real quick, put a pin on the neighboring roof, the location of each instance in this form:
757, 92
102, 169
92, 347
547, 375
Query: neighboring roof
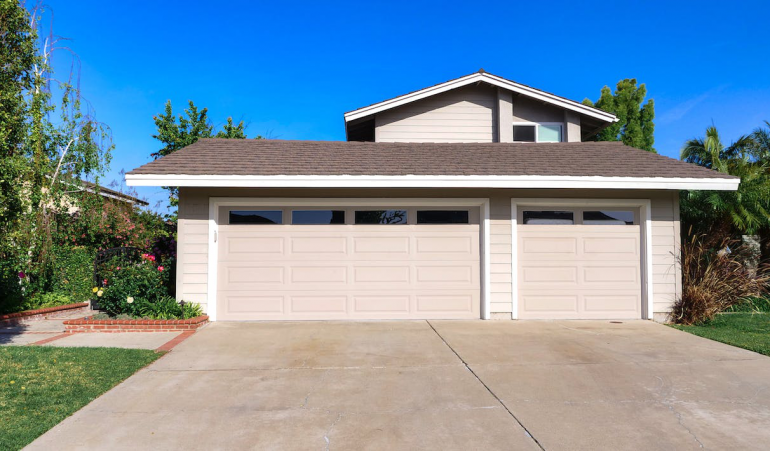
481, 76
112, 194
277, 163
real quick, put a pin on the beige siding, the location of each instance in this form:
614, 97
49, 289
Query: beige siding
666, 274
192, 252
572, 130
500, 250
504, 116
528, 110
461, 115
193, 229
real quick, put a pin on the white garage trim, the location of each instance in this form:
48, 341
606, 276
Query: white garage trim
216, 202
645, 212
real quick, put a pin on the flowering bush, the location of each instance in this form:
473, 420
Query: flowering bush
127, 286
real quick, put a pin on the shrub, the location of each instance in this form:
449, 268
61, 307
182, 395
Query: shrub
714, 280
168, 308
74, 273
130, 285
43, 300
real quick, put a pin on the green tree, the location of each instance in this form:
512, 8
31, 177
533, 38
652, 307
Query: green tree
761, 142
230, 131
17, 59
746, 211
635, 126
191, 126
50, 142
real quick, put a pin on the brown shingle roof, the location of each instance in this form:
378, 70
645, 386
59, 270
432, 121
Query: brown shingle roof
277, 157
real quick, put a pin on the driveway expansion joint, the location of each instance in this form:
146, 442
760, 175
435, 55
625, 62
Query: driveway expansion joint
500, 401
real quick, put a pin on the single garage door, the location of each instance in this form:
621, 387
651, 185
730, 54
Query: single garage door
579, 263
299, 263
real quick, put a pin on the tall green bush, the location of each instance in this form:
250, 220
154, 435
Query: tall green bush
74, 272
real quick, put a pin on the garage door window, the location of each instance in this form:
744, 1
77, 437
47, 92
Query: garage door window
256, 217
381, 217
608, 217
317, 217
442, 216
548, 217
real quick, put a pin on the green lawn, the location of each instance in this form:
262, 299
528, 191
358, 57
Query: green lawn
41, 386
746, 330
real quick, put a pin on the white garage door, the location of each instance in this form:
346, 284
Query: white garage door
579, 263
348, 263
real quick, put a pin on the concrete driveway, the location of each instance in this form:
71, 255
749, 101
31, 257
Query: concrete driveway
434, 385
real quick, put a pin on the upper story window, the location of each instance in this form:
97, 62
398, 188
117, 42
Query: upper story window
537, 133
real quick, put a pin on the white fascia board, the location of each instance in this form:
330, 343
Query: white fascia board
473, 78
432, 181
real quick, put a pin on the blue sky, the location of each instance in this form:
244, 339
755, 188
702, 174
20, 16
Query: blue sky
290, 69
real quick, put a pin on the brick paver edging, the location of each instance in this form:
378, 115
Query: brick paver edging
41, 312
133, 325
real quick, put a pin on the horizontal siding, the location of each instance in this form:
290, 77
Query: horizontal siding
459, 115
500, 250
528, 110
665, 244
192, 255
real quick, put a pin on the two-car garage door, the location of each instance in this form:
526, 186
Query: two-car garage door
348, 263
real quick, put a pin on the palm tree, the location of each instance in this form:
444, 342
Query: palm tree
761, 138
745, 211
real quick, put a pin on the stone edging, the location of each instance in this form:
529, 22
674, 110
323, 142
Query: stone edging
42, 313
133, 325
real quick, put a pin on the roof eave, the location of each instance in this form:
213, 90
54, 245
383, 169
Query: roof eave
433, 181
473, 78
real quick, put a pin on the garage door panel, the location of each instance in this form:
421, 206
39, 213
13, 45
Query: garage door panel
376, 244
248, 302
312, 275
381, 274
549, 274
318, 244
614, 302
536, 302
446, 303
603, 274
548, 245
454, 274
382, 304
606, 247
329, 304
250, 274
237, 244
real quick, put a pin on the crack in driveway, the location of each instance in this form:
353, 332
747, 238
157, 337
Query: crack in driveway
526, 431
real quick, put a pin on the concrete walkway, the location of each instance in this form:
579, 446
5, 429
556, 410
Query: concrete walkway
434, 385
50, 332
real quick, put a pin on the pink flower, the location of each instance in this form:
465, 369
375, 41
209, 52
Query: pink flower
22, 275
160, 268
105, 282
118, 267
